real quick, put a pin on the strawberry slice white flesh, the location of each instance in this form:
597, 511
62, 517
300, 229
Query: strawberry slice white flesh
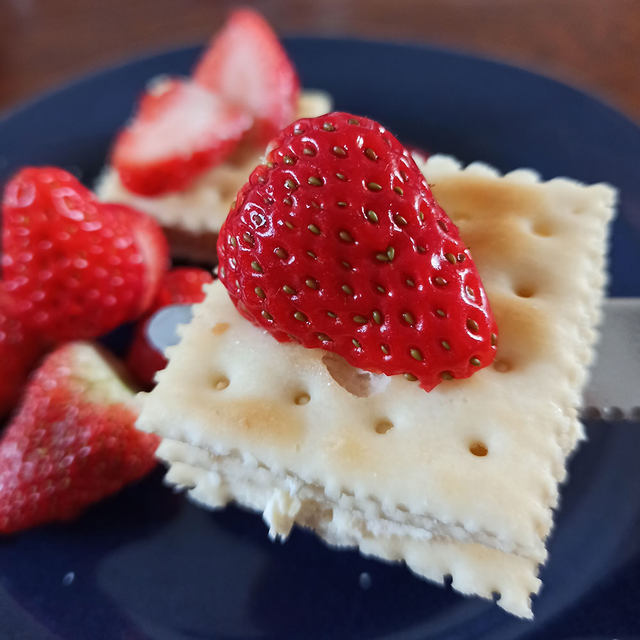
247, 65
180, 130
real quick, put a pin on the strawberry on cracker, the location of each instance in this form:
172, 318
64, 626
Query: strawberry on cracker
247, 65
338, 243
243, 84
180, 130
71, 442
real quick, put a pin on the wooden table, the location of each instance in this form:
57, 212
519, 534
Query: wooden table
594, 44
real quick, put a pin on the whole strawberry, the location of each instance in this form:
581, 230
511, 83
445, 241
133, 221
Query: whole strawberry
77, 268
72, 441
19, 350
337, 242
183, 285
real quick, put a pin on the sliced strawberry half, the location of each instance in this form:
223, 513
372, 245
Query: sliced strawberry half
72, 441
152, 245
247, 65
180, 130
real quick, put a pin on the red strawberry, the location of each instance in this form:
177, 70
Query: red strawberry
183, 285
247, 65
180, 286
72, 441
19, 349
78, 268
337, 242
179, 131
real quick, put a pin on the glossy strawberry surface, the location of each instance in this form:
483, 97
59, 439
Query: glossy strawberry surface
338, 243
77, 268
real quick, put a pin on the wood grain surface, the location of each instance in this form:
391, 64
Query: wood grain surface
593, 44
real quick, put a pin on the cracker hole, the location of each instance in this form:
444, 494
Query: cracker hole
220, 383
384, 425
542, 229
502, 366
302, 398
525, 291
478, 449
219, 328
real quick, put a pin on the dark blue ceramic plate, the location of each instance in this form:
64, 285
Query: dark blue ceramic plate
147, 564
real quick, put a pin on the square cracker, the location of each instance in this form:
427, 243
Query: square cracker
461, 480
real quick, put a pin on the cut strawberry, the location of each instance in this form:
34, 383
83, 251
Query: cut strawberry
76, 268
180, 130
72, 441
337, 242
183, 285
247, 65
152, 245
19, 350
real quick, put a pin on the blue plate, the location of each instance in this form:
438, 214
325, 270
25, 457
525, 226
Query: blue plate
147, 564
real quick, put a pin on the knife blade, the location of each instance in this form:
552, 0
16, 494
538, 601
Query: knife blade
613, 390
